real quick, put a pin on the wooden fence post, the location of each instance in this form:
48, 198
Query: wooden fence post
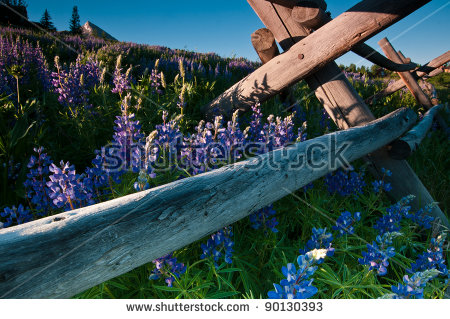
430, 69
266, 47
409, 80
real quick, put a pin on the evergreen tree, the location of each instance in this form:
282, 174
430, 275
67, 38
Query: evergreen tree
75, 26
46, 21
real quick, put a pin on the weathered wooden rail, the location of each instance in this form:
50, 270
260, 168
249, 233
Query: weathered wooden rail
61, 255
403, 147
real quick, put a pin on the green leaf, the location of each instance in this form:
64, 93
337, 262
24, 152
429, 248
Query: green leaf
170, 289
20, 130
225, 270
221, 295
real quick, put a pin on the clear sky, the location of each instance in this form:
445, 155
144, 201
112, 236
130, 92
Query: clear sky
225, 27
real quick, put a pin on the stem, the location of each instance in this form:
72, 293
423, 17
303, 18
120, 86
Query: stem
18, 96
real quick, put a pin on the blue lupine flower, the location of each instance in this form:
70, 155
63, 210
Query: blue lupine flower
121, 80
128, 146
382, 184
422, 216
35, 185
220, 244
390, 222
167, 267
298, 284
15, 216
432, 258
66, 188
320, 239
345, 183
344, 224
378, 253
142, 182
72, 85
22, 53
413, 287
262, 218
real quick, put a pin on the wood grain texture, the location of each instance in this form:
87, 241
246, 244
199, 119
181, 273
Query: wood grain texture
345, 106
315, 21
407, 77
304, 58
430, 69
309, 15
403, 147
292, 3
264, 44
62, 255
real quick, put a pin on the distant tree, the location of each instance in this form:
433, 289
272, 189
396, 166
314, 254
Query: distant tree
46, 21
362, 69
376, 70
352, 67
75, 26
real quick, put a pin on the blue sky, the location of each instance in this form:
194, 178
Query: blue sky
224, 27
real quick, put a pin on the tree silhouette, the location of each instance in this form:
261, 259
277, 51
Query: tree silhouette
46, 21
75, 26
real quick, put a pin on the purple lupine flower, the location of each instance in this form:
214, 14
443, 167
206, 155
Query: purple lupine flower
345, 182
413, 287
345, 222
422, 217
320, 239
325, 120
73, 85
220, 244
263, 218
298, 284
66, 187
432, 258
129, 145
390, 222
380, 185
31, 59
162, 147
15, 216
35, 185
167, 267
121, 81
379, 252
142, 182
155, 82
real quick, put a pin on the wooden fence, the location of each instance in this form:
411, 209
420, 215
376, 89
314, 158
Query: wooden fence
61, 255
